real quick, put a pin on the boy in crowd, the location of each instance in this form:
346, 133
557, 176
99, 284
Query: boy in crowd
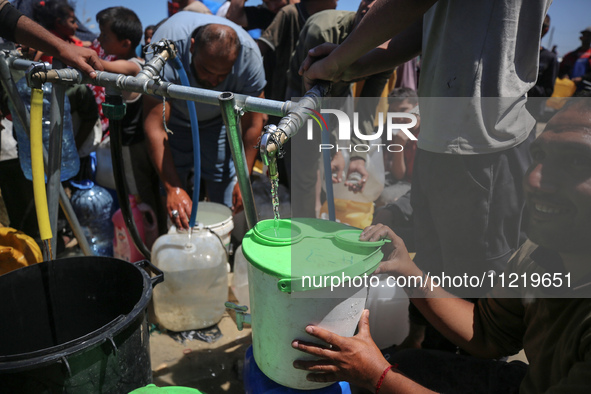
121, 32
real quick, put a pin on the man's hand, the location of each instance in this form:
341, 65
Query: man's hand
236, 12
178, 206
84, 59
318, 65
237, 200
398, 261
356, 359
31, 34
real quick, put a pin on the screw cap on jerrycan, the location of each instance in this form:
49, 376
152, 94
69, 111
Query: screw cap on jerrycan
293, 273
93, 206
145, 221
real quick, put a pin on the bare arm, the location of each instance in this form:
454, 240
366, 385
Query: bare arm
33, 35
392, 16
125, 67
121, 67
454, 317
400, 49
161, 155
236, 12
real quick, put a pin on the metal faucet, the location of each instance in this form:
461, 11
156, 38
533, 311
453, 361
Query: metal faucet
268, 154
275, 136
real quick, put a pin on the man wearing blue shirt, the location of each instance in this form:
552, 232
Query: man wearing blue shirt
219, 55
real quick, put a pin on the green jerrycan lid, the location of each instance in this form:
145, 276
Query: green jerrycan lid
282, 233
302, 253
153, 389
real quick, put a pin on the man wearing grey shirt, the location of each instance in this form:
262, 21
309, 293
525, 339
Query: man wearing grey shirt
479, 60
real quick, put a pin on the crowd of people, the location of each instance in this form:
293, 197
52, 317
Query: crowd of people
472, 191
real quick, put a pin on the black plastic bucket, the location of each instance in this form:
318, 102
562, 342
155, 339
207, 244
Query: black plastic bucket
76, 325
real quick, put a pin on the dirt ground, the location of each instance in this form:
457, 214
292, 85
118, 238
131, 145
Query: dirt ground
209, 367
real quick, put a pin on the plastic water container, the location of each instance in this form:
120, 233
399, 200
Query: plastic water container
145, 221
196, 286
374, 185
239, 283
70, 159
354, 213
93, 206
255, 382
216, 217
357, 209
388, 317
283, 302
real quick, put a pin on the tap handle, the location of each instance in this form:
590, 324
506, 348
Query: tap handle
241, 315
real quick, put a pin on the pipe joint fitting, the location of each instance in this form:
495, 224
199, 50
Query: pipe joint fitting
37, 75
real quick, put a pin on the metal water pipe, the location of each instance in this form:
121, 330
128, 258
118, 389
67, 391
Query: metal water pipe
54, 165
231, 115
275, 136
165, 89
294, 115
23, 114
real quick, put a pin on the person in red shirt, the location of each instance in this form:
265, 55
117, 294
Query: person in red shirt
58, 17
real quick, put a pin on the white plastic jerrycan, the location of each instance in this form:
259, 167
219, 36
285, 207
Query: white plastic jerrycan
195, 285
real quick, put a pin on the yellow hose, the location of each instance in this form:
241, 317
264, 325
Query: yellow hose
37, 164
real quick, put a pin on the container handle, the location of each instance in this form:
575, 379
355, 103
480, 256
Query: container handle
219, 239
65, 362
146, 265
284, 285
